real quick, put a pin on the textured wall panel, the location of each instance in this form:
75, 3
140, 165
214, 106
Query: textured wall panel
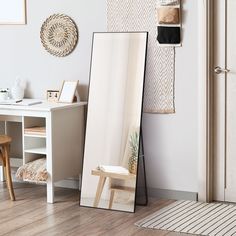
140, 15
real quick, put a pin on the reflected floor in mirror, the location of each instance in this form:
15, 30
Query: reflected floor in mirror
125, 206
113, 122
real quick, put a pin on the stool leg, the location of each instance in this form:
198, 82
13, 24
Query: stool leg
8, 172
100, 187
112, 194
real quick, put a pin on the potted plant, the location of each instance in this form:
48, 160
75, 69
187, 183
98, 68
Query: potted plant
134, 145
3, 94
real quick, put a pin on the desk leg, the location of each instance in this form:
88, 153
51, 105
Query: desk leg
50, 192
50, 159
100, 187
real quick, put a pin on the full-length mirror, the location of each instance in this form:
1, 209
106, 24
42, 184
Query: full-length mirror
113, 122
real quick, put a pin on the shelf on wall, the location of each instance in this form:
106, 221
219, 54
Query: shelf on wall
39, 150
37, 131
35, 135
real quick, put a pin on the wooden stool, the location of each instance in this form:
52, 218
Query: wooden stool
4, 155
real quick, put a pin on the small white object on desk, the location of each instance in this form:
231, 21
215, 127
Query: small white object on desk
18, 90
3, 94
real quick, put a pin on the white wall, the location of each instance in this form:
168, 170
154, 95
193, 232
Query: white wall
21, 52
171, 141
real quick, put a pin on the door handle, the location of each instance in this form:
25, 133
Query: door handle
219, 70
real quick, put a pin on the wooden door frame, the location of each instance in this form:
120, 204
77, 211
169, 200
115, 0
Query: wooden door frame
206, 66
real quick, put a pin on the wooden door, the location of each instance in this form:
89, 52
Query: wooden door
225, 101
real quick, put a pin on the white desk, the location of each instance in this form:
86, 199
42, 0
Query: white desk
62, 145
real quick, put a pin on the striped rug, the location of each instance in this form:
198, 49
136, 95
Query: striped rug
194, 218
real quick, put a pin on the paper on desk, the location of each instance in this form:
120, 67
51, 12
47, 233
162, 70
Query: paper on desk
9, 101
29, 102
24, 102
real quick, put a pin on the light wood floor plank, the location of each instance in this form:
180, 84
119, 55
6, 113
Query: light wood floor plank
30, 215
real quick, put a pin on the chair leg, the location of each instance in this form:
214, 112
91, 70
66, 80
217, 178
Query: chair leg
8, 172
112, 194
2, 159
5, 175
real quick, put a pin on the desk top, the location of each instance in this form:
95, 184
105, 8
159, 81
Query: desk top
44, 106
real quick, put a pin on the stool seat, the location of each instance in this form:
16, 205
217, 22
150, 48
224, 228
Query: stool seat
5, 142
4, 139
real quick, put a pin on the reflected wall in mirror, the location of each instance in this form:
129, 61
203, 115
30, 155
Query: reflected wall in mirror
113, 120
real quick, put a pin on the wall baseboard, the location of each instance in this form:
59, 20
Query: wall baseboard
172, 194
69, 183
152, 192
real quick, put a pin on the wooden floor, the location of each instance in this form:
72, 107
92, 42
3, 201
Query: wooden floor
31, 215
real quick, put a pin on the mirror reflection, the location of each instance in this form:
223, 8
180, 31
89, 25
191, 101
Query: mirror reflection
113, 120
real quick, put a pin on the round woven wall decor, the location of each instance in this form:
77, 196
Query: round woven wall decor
59, 35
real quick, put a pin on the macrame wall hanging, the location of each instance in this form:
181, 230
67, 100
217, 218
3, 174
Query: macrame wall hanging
140, 15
